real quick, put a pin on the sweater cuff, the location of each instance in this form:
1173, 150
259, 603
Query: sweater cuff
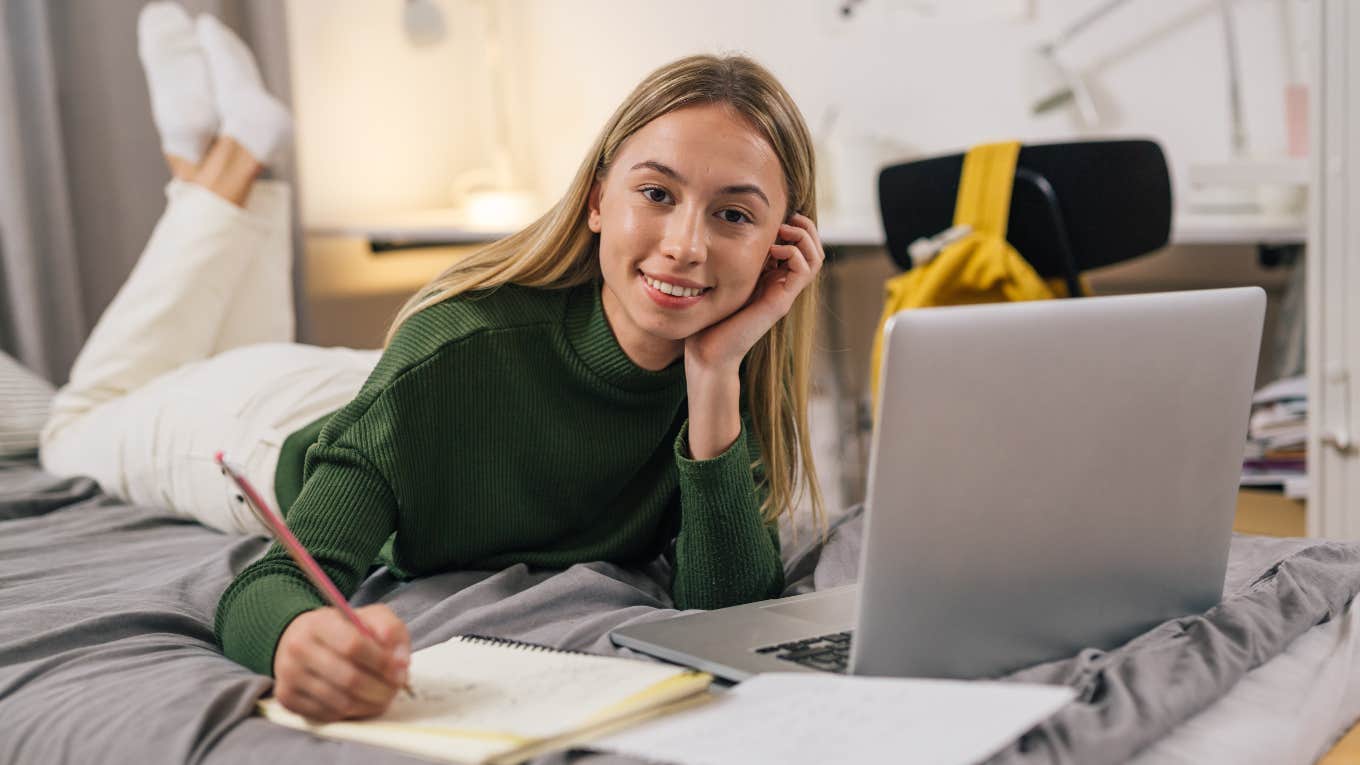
725, 554
260, 612
730, 469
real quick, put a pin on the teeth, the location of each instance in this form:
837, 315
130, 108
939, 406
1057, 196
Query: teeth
671, 289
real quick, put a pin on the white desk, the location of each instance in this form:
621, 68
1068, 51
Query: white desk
1224, 228
1186, 229
445, 227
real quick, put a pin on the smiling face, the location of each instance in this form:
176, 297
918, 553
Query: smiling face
686, 215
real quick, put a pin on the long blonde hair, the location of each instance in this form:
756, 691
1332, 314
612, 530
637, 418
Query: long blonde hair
559, 250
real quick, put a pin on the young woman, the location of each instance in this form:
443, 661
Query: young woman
628, 371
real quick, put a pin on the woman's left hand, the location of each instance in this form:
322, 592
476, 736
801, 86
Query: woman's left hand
788, 271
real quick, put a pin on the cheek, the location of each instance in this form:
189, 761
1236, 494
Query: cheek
751, 266
743, 275
624, 222
625, 237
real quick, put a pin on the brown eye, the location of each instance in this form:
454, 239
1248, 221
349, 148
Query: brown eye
646, 192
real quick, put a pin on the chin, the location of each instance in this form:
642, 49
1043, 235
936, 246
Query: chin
671, 331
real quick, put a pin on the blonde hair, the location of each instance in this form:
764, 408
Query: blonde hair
559, 250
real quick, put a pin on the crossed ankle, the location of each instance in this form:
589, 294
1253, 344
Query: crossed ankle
250, 115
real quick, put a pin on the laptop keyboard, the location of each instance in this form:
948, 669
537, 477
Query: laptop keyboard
829, 653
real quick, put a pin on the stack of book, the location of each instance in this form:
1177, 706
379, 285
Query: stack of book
1277, 437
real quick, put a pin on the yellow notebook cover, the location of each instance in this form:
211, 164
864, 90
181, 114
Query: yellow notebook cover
489, 700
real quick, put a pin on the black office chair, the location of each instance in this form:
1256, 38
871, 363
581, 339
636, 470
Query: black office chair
1074, 207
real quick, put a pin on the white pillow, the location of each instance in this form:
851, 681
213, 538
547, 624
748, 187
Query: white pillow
25, 400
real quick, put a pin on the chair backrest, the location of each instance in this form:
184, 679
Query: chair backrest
1113, 203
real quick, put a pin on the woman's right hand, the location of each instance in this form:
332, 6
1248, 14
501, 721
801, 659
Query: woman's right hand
325, 669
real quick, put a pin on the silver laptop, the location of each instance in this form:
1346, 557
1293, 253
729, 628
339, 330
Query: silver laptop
1044, 477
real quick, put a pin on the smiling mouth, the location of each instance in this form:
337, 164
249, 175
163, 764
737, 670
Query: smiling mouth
673, 290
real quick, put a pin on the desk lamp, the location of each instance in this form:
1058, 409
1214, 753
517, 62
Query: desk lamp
485, 196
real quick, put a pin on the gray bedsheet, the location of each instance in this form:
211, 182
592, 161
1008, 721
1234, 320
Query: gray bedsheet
106, 651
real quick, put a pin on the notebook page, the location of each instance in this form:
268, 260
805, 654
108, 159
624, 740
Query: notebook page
787, 719
470, 686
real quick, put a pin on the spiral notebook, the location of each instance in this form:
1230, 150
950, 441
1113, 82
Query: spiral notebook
489, 700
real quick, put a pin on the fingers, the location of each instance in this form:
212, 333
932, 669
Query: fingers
299, 701
352, 678
327, 669
313, 684
328, 699
816, 253
391, 633
345, 641
389, 628
805, 255
781, 256
791, 267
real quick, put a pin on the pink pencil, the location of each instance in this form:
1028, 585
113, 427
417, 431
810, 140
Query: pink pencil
295, 549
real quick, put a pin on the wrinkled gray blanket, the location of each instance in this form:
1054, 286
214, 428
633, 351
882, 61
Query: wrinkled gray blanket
106, 650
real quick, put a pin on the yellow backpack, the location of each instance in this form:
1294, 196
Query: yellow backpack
980, 267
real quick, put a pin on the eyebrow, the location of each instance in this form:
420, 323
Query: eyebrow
745, 188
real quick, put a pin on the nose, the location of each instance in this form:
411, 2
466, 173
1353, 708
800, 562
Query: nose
686, 239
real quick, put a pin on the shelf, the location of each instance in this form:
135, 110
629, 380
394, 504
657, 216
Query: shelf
1238, 228
1251, 172
415, 227
1294, 485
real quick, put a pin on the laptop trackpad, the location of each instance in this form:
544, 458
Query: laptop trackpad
836, 609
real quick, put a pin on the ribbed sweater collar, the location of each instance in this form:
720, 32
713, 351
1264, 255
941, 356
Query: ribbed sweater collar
594, 342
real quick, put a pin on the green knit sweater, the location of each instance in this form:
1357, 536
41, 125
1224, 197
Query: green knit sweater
500, 427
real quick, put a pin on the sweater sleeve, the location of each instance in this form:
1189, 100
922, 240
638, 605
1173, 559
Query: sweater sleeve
345, 512
725, 554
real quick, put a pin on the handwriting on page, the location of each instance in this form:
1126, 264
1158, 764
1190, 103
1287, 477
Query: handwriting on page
442, 693
471, 686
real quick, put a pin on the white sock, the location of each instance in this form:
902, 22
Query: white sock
255, 119
177, 75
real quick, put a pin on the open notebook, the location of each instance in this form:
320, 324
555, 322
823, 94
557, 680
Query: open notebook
489, 700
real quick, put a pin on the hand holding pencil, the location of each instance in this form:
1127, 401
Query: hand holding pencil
331, 663
326, 670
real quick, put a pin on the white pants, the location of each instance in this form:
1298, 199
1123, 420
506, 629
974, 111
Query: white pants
194, 355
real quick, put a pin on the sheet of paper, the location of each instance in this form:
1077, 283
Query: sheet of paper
787, 719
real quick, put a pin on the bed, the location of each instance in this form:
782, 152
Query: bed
107, 655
